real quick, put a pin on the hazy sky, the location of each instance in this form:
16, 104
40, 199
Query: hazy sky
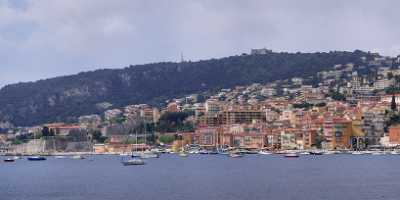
46, 38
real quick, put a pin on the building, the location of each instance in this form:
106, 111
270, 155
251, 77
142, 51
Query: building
262, 51
394, 134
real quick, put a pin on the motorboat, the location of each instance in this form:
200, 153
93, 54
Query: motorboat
9, 160
133, 161
183, 154
78, 157
264, 153
59, 157
357, 153
148, 154
292, 155
235, 155
377, 153
317, 153
37, 158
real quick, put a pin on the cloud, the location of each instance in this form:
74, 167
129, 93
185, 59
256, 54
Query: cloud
40, 39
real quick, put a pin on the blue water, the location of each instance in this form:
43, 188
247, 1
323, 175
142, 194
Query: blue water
204, 177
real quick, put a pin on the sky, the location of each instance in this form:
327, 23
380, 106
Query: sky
46, 38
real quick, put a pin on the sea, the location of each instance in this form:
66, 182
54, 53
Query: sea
204, 177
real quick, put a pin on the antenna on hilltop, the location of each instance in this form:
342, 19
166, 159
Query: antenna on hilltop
182, 60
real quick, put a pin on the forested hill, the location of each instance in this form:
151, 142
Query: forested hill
66, 98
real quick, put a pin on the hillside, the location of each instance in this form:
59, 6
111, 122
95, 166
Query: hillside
66, 98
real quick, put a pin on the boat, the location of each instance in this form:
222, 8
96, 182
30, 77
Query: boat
133, 161
124, 154
317, 153
59, 157
194, 151
264, 153
135, 158
148, 154
9, 160
357, 153
183, 154
377, 153
203, 151
305, 153
292, 155
329, 152
36, 158
16, 158
235, 155
78, 157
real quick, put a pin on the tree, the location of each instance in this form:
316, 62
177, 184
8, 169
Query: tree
45, 131
52, 133
166, 139
393, 104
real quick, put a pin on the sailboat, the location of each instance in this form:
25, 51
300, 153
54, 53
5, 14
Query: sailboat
147, 154
133, 160
182, 153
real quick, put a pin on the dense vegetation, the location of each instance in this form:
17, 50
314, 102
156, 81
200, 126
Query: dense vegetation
66, 98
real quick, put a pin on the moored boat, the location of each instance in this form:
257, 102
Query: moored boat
59, 157
235, 155
133, 161
357, 153
292, 155
9, 160
36, 158
317, 153
183, 154
148, 154
78, 157
264, 153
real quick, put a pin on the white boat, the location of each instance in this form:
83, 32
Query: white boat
133, 161
377, 153
292, 155
305, 153
264, 153
16, 158
78, 157
148, 154
235, 155
59, 157
183, 154
394, 153
357, 153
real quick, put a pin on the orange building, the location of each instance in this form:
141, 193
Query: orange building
394, 134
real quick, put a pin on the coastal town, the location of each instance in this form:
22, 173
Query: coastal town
349, 108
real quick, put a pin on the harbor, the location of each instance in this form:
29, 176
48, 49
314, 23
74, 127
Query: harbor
253, 176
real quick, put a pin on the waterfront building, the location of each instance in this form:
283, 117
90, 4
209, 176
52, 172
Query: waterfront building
394, 134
